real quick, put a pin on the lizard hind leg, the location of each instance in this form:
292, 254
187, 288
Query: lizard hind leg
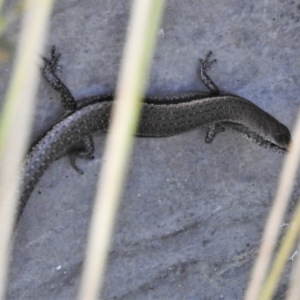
206, 80
83, 149
51, 65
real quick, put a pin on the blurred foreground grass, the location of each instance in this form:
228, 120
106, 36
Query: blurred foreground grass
22, 88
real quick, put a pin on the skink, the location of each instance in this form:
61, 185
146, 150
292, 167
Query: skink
160, 117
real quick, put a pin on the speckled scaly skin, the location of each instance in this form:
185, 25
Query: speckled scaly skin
160, 117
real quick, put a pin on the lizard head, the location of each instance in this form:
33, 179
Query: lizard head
277, 136
273, 135
282, 137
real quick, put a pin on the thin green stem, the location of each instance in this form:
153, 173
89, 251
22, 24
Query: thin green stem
144, 22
